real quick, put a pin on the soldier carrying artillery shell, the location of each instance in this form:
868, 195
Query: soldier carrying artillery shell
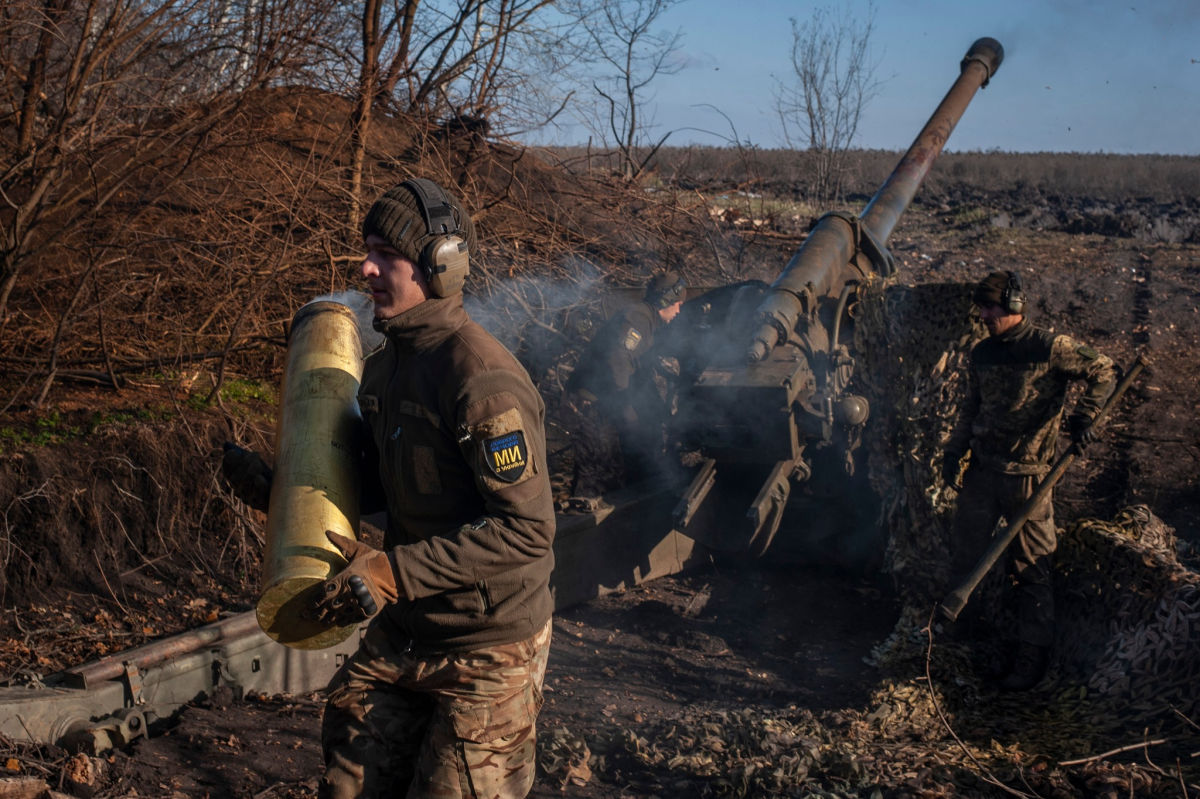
442, 696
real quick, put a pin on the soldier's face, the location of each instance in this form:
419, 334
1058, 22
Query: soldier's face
996, 319
670, 312
395, 283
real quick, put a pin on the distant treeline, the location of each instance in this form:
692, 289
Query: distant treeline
1162, 178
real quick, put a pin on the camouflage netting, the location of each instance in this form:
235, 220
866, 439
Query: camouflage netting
902, 744
913, 343
1134, 609
1139, 643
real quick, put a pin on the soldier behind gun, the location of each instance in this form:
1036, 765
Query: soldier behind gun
1018, 380
619, 435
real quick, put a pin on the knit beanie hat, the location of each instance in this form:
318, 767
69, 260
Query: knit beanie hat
990, 290
397, 218
665, 289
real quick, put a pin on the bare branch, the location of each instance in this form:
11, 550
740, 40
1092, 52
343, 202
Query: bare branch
832, 81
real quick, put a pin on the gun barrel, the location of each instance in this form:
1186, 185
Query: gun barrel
884, 209
817, 266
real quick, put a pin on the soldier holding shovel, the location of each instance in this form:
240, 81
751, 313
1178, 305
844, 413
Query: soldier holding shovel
1018, 381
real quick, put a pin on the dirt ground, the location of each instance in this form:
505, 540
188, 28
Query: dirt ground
714, 639
629, 674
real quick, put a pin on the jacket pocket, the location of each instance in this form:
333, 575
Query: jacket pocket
425, 470
496, 593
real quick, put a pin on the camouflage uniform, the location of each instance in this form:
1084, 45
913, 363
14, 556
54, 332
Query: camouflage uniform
441, 699
613, 395
1018, 383
450, 725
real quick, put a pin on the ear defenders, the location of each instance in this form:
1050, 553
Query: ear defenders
665, 289
670, 295
445, 260
1013, 297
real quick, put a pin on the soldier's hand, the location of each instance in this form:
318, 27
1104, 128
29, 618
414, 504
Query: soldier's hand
247, 474
951, 462
668, 366
360, 590
1081, 430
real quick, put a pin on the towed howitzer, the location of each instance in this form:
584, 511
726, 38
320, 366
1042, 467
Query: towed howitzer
765, 392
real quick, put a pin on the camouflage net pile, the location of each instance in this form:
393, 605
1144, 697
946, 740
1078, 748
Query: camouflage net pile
902, 745
913, 343
1139, 645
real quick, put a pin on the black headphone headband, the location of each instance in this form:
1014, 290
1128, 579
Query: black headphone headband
670, 295
435, 206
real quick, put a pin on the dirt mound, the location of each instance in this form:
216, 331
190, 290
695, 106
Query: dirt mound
119, 535
205, 253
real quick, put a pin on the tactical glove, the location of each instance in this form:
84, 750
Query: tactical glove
1081, 430
360, 590
951, 462
247, 474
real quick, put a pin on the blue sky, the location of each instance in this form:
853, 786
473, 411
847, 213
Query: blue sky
1098, 76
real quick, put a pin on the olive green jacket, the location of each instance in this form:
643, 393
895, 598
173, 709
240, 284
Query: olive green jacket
456, 435
1018, 383
614, 356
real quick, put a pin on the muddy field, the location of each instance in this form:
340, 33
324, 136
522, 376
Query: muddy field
747, 680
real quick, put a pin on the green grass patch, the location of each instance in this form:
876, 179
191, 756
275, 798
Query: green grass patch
240, 390
46, 430
970, 215
55, 428
236, 391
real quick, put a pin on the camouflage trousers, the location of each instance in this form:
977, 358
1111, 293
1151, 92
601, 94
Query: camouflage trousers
440, 726
986, 497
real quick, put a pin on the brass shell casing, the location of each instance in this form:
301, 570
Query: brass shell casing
316, 482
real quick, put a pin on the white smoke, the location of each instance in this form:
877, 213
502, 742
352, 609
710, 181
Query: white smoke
360, 304
521, 306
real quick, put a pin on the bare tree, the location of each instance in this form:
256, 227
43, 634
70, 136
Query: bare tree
63, 87
110, 105
364, 101
468, 62
833, 80
624, 43
97, 92
125, 132
442, 60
